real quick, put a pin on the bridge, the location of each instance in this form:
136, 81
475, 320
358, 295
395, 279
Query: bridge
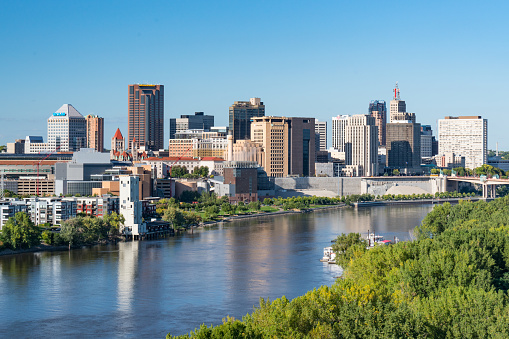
489, 185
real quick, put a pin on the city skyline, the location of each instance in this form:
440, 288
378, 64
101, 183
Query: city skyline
448, 66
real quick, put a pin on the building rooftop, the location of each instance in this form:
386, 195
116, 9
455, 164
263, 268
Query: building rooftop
67, 110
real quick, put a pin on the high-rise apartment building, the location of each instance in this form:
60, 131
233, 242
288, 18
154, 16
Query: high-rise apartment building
131, 206
321, 135
288, 145
240, 115
404, 146
95, 132
338, 132
361, 144
67, 130
146, 116
186, 122
378, 110
466, 136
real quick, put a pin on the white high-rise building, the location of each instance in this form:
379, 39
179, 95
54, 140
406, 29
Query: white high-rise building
321, 133
131, 207
361, 144
338, 132
466, 136
67, 130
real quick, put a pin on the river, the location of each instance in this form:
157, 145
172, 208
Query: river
149, 288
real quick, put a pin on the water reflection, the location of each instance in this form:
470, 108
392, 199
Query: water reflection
145, 289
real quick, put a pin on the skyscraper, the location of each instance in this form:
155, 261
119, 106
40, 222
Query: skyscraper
338, 132
378, 110
466, 136
398, 109
321, 133
240, 115
67, 130
146, 116
361, 144
288, 145
185, 122
95, 132
404, 146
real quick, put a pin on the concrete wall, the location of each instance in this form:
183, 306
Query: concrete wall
380, 185
356, 185
338, 185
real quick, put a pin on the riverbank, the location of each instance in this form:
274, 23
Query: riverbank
264, 214
39, 248
417, 201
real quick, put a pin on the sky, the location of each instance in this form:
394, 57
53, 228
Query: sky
302, 58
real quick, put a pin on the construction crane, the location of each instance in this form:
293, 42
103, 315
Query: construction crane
38, 163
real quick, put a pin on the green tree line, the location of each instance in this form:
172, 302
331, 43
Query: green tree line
451, 282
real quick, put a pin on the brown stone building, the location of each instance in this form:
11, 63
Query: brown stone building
243, 177
146, 116
288, 145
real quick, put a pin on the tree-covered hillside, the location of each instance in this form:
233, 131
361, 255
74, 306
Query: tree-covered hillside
451, 282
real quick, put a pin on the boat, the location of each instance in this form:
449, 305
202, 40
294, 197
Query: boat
328, 255
376, 239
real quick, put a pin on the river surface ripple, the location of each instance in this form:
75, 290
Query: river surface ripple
147, 289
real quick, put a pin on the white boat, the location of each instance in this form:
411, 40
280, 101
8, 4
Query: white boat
328, 255
374, 240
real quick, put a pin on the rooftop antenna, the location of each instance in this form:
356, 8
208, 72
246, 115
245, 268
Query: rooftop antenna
396, 92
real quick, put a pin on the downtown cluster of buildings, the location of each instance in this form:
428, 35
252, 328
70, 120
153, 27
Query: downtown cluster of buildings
244, 157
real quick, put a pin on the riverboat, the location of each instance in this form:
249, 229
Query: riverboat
328, 255
374, 240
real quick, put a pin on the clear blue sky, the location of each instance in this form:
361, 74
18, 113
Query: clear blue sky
303, 58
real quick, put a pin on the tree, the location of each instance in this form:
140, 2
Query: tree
19, 232
267, 201
115, 222
254, 205
71, 231
175, 216
346, 246
395, 172
226, 208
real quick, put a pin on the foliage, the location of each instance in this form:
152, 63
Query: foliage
347, 247
189, 196
453, 281
178, 171
19, 232
395, 172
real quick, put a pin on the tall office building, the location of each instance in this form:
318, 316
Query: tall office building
427, 140
361, 144
240, 115
67, 130
288, 145
186, 122
146, 116
95, 132
321, 135
466, 136
398, 109
404, 146
378, 110
338, 132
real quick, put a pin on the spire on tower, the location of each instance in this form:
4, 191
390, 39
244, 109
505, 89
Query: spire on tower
396, 92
